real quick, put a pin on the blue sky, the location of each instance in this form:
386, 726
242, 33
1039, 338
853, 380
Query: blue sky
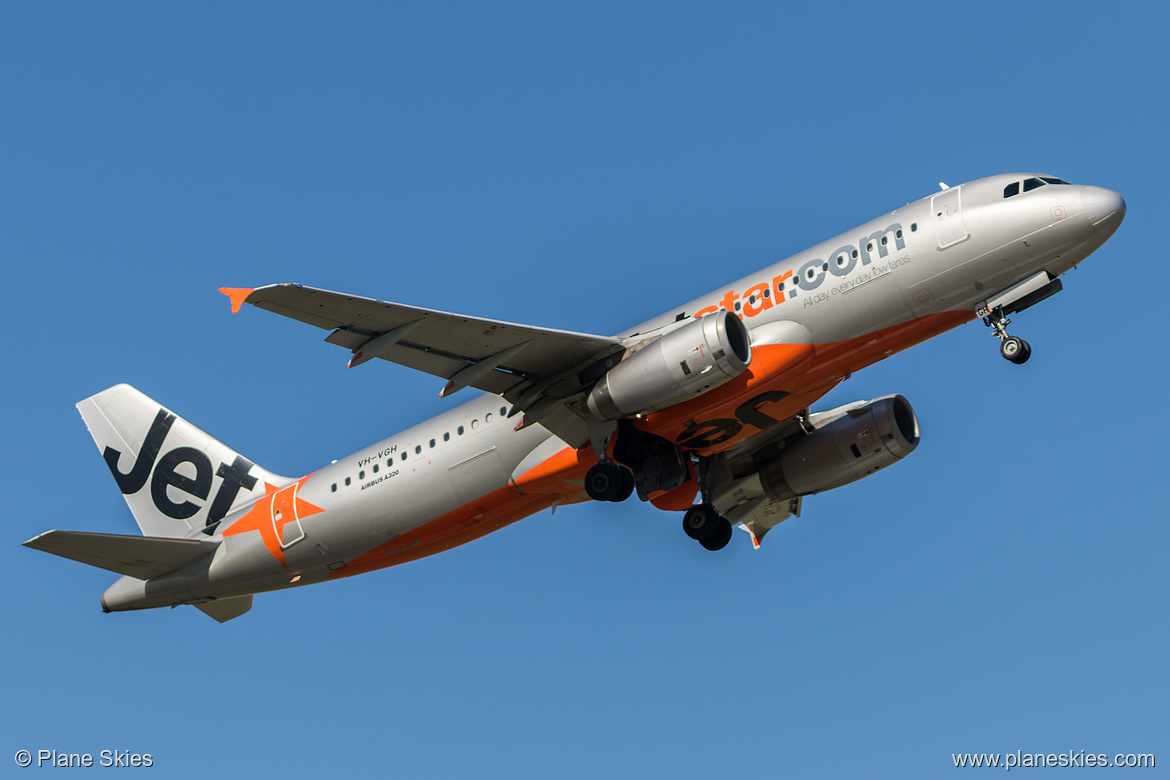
583, 167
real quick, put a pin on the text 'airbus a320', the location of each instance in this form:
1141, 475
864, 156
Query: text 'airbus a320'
703, 410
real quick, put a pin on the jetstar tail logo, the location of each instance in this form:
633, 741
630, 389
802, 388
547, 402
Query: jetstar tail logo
168, 474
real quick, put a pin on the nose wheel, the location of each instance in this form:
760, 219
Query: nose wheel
1015, 349
1012, 348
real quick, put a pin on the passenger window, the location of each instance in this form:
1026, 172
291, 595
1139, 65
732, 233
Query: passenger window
1011, 189
503, 411
334, 487
447, 436
418, 449
404, 454
913, 227
432, 443
474, 424
1031, 184
488, 419
375, 468
459, 430
347, 481
362, 474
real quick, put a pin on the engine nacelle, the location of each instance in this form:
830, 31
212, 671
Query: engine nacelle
687, 362
847, 443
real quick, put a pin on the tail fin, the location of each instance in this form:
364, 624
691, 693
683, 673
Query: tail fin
175, 478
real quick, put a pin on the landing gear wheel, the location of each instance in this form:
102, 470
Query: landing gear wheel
604, 482
1015, 349
627, 482
719, 539
701, 521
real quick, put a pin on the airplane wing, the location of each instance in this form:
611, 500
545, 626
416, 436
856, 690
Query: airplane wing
536, 369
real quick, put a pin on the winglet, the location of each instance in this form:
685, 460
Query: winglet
237, 295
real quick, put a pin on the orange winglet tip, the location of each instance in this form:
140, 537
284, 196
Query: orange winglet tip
237, 295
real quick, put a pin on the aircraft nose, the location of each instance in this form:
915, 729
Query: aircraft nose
1104, 208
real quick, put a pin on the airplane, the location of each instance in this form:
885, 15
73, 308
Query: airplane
705, 410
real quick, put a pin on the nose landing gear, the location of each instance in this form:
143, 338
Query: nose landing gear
1015, 349
1012, 348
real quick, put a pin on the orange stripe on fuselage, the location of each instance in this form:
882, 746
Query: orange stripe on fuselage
557, 480
490, 513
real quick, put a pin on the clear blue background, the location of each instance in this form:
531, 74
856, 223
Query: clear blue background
583, 166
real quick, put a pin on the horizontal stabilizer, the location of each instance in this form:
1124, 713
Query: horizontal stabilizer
137, 556
224, 610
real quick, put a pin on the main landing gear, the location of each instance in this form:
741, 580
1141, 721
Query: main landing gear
1012, 348
703, 524
607, 481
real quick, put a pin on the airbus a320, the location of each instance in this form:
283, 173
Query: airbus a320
704, 411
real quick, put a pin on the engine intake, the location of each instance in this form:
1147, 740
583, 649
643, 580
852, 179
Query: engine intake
684, 363
847, 443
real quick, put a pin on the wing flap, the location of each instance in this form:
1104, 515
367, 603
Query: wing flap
137, 556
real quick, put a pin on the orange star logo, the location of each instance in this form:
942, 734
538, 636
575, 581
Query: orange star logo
272, 516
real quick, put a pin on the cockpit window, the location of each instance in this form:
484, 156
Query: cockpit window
1031, 184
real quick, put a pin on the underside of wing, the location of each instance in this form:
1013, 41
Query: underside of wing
534, 368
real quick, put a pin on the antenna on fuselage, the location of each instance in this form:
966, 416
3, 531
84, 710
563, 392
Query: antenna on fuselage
942, 185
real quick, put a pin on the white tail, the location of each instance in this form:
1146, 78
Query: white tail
176, 479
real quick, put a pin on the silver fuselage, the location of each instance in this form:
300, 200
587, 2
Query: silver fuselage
938, 256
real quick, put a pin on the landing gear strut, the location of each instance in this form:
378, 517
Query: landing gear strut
703, 524
1012, 348
607, 481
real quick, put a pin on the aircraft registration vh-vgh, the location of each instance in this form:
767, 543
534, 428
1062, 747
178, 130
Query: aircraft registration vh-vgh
703, 411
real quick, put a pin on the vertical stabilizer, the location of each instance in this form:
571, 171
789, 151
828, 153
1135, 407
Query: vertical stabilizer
175, 478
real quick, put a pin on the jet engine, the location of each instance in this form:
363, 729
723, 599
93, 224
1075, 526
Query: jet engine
846, 444
684, 363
